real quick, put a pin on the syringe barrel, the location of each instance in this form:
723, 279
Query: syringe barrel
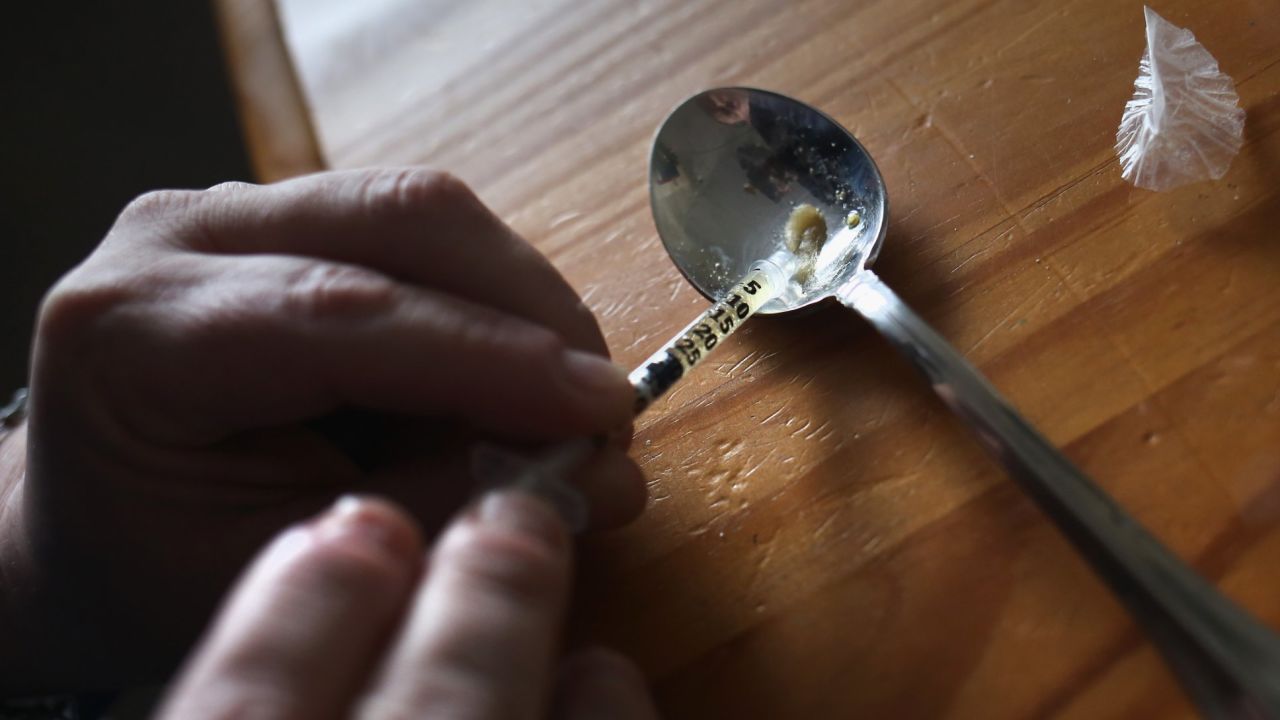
666, 366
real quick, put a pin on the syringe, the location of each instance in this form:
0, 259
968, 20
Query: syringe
547, 473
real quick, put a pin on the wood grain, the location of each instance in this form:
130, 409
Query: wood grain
824, 540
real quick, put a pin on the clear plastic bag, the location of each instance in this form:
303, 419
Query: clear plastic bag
1184, 123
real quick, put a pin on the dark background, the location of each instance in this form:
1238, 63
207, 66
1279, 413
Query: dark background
101, 102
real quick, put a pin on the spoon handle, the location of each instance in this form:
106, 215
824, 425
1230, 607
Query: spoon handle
1228, 662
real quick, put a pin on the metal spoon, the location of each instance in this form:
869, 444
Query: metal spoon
727, 169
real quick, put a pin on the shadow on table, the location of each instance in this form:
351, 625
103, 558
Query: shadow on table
1265, 160
921, 606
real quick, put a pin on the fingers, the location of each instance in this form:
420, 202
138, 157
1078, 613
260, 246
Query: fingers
418, 226
308, 621
315, 616
318, 337
482, 633
387, 290
600, 683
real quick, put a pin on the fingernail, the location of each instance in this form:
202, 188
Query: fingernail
593, 373
362, 520
522, 513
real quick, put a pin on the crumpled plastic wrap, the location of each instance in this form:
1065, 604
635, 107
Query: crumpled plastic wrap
1184, 123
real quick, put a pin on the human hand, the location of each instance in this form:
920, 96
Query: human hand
229, 361
341, 618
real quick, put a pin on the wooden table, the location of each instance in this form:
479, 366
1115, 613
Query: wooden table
824, 539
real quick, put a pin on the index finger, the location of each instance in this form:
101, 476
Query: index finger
482, 633
413, 224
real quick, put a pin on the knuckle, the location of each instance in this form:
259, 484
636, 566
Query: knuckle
541, 349
547, 349
325, 291
72, 307
230, 186
417, 187
505, 564
541, 345
156, 204
486, 331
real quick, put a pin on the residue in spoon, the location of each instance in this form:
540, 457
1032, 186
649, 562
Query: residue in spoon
806, 234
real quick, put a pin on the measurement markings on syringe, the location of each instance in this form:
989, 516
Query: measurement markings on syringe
717, 323
669, 364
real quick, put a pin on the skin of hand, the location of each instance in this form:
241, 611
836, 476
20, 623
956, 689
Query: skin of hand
229, 361
341, 617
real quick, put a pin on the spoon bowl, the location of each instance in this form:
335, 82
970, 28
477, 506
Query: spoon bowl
728, 167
